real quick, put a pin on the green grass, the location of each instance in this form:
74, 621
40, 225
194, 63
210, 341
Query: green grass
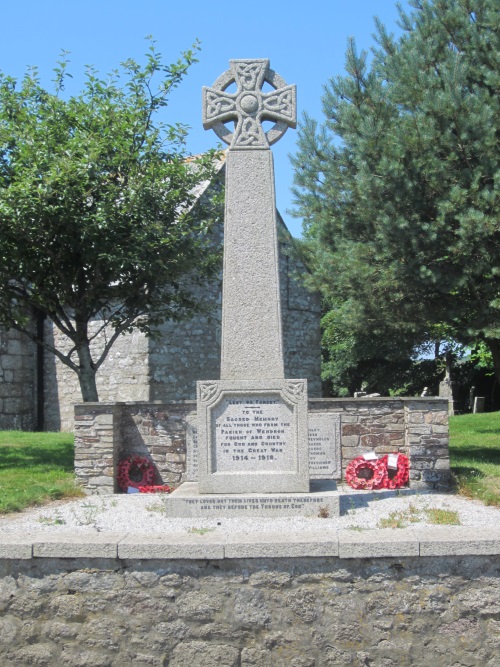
434, 515
475, 455
441, 517
35, 468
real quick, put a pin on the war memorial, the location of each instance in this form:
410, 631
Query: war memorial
252, 444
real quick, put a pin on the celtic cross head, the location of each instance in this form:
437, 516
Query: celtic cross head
249, 106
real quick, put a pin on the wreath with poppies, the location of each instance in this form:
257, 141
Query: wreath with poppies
159, 488
137, 466
377, 479
381, 477
402, 474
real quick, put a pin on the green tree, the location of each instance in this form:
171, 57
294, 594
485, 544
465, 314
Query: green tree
98, 228
398, 187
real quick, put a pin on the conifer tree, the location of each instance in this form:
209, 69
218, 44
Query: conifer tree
398, 187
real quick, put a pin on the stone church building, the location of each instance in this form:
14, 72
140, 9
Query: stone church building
38, 392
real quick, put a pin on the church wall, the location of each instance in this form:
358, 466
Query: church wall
17, 381
124, 376
166, 368
301, 314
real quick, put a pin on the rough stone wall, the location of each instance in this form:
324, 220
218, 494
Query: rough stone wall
427, 442
311, 612
124, 376
106, 433
158, 431
301, 314
17, 381
97, 446
415, 427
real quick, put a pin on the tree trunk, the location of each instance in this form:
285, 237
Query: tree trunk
87, 374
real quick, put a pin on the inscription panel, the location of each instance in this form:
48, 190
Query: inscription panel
253, 434
260, 505
191, 449
324, 447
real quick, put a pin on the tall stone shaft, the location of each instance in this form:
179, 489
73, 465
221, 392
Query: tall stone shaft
252, 423
251, 345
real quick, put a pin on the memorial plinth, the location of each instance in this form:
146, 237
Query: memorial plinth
255, 435
322, 499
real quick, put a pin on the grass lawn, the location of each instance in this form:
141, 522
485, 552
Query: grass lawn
475, 455
35, 468
38, 467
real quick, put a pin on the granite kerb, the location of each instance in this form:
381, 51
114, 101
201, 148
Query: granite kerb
341, 544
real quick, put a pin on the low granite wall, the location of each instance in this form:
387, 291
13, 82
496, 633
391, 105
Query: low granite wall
106, 432
244, 612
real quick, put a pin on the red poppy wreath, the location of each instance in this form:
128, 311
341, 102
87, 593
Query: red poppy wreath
402, 473
376, 481
162, 488
137, 465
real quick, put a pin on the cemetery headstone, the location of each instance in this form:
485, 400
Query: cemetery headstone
446, 391
479, 403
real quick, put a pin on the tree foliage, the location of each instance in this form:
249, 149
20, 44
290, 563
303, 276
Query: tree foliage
96, 207
398, 187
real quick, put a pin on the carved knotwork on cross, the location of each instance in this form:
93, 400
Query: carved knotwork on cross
208, 391
249, 106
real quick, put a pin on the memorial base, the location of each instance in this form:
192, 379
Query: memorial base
253, 436
322, 500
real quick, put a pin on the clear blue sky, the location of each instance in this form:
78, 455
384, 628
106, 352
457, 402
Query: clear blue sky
305, 42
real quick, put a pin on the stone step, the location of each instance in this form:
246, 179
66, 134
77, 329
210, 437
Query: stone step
322, 500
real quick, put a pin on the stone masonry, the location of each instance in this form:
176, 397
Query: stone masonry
104, 433
17, 382
250, 612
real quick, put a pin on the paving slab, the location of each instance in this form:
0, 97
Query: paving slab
17, 546
172, 546
458, 541
290, 545
77, 545
377, 544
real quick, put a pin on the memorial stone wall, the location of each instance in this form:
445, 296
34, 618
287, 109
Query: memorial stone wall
339, 430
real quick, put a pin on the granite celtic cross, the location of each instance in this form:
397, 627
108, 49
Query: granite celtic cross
252, 423
249, 106
251, 341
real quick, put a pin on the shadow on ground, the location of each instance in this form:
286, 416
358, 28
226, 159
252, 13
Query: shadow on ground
61, 455
353, 501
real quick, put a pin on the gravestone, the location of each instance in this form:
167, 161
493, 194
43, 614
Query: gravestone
479, 403
446, 391
252, 431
